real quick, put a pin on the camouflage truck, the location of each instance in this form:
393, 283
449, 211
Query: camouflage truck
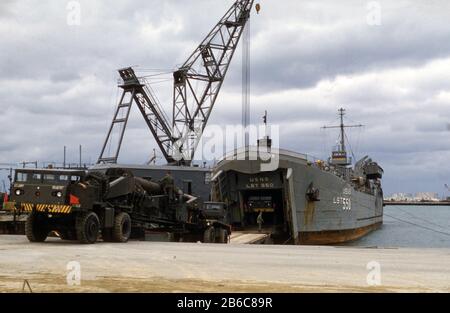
82, 205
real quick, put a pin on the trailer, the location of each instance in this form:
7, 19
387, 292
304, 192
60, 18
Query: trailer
112, 204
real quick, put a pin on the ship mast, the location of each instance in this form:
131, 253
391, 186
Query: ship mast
265, 141
341, 114
339, 157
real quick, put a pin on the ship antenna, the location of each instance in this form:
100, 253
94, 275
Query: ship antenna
342, 126
340, 157
265, 122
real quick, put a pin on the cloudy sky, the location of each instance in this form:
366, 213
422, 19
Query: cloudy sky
58, 82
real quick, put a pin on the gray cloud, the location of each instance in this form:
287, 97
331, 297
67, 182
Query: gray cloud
58, 83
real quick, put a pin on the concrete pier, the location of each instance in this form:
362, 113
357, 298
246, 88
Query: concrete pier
190, 267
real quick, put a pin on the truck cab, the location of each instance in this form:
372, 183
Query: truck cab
261, 204
215, 210
58, 200
45, 190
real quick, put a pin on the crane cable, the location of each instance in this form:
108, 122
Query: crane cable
246, 81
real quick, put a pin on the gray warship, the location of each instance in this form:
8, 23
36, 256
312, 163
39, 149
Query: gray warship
304, 200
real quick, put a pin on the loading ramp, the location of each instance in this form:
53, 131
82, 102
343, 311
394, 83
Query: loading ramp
240, 237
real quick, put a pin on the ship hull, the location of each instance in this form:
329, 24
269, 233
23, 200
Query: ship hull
341, 210
330, 237
342, 213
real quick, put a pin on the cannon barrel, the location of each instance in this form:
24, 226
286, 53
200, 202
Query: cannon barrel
149, 186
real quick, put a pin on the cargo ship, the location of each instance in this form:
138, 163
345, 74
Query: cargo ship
304, 200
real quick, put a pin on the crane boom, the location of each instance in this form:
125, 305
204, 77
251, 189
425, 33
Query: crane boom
196, 86
192, 108
135, 90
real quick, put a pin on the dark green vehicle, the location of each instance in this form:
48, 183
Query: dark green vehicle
81, 205
57, 200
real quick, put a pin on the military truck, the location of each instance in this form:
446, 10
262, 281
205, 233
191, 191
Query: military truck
216, 210
82, 205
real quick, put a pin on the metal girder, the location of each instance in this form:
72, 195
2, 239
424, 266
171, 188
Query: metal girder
197, 83
196, 86
135, 89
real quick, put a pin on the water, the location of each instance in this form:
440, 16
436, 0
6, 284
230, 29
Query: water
411, 227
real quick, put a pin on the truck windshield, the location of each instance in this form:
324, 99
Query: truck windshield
49, 177
38, 177
211, 206
61, 178
27, 177
263, 202
75, 178
21, 177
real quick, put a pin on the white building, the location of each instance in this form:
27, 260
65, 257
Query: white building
426, 196
401, 197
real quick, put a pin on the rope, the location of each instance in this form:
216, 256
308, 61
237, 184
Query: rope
159, 81
411, 223
422, 219
419, 226
350, 146
156, 75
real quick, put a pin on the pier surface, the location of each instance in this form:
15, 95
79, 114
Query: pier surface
190, 267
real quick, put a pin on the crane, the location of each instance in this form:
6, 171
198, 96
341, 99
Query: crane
197, 84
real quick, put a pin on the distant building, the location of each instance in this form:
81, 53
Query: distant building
420, 196
401, 197
426, 196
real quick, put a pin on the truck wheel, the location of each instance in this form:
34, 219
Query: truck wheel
87, 226
122, 227
209, 235
35, 231
223, 236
